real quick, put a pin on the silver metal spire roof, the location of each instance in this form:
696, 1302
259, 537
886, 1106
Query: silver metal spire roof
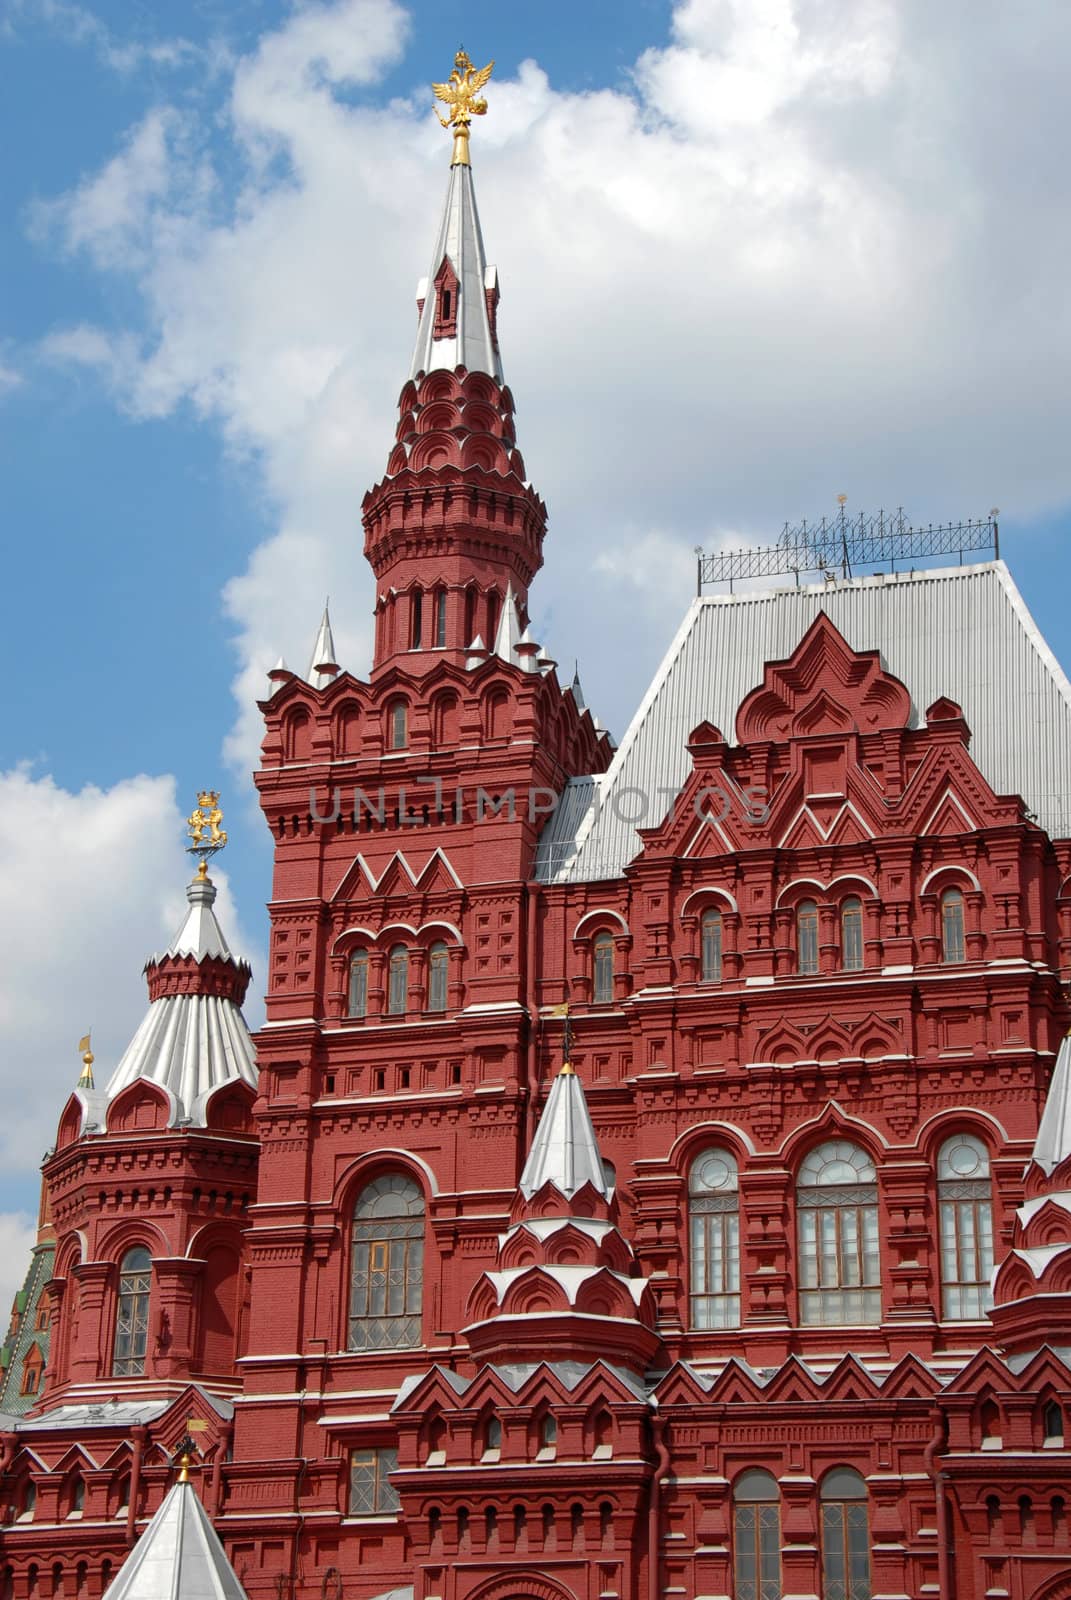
565, 1151
200, 934
323, 667
178, 1557
1053, 1142
508, 635
189, 1043
963, 632
460, 241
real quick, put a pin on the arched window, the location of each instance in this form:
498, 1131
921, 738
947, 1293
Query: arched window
398, 981
470, 615
966, 1208
756, 1537
132, 1314
416, 620
602, 964
387, 1277
399, 725
1053, 1423
807, 936
851, 934
952, 942
714, 1240
27, 1502
845, 1536
839, 1260
438, 973
439, 619
358, 991
710, 930
548, 1439
492, 617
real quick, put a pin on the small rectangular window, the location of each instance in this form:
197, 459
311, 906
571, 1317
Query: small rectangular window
370, 1488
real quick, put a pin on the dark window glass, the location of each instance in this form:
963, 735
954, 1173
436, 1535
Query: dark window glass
398, 981
807, 936
370, 1486
132, 1314
603, 963
440, 619
399, 725
358, 995
952, 944
387, 1276
845, 1537
416, 619
711, 947
438, 973
851, 935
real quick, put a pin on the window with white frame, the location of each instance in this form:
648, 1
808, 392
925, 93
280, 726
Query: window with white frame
965, 1204
714, 1240
839, 1258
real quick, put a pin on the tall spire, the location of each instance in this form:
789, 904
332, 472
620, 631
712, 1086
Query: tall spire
459, 297
1053, 1142
179, 1556
323, 668
565, 1151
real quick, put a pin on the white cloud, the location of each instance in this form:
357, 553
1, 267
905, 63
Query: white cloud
92, 885
813, 248
79, 26
10, 377
17, 1234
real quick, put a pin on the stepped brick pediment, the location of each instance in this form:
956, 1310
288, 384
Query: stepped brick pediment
823, 687
909, 1380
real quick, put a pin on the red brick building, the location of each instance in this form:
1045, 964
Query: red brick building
709, 1313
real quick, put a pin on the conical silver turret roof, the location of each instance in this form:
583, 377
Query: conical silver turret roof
459, 241
178, 1557
1053, 1142
565, 1151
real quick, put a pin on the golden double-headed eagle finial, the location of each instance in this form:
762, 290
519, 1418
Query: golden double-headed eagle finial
205, 829
461, 92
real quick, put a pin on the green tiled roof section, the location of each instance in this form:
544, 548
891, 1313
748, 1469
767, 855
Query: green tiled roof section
16, 1348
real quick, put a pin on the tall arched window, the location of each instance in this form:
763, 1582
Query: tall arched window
710, 931
839, 1260
756, 1537
966, 1209
807, 936
845, 1536
399, 725
439, 619
438, 974
714, 1240
358, 990
602, 963
132, 1314
492, 617
398, 981
387, 1274
953, 947
470, 615
416, 620
851, 934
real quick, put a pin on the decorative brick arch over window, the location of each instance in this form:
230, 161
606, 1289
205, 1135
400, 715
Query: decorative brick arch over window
601, 941
387, 1265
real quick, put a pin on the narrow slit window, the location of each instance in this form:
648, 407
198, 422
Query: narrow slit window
711, 947
851, 934
807, 936
953, 945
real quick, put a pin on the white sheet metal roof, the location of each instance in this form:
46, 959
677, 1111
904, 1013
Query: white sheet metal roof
961, 632
178, 1557
565, 1151
189, 1044
460, 239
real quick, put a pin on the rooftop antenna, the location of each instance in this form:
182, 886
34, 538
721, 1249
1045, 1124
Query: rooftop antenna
842, 501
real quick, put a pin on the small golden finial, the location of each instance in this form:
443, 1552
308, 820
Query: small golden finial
184, 1457
204, 829
461, 93
85, 1081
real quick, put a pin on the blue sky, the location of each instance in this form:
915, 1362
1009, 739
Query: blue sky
753, 253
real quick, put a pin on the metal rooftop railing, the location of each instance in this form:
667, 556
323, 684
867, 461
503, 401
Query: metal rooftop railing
843, 546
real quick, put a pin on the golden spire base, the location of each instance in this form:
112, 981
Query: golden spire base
568, 1070
460, 156
184, 1467
85, 1079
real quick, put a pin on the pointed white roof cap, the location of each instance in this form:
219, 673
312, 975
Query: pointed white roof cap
200, 934
1053, 1142
323, 668
578, 693
477, 653
459, 239
508, 635
565, 1151
178, 1557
